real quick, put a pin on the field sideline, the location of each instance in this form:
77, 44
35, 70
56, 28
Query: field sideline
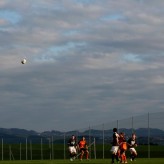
98, 161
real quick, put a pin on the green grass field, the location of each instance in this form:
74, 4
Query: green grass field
156, 154
98, 161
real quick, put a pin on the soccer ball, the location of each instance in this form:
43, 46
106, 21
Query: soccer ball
23, 61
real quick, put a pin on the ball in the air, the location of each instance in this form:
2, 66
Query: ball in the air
23, 61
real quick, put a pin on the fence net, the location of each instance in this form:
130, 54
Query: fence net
149, 129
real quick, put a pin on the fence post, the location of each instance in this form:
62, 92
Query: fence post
148, 136
41, 149
10, 152
20, 151
118, 125
103, 141
52, 148
64, 147
132, 125
77, 136
26, 150
2, 149
89, 142
95, 148
31, 149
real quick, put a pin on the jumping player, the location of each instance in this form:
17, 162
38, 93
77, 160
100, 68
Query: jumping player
132, 144
82, 145
123, 147
72, 146
115, 145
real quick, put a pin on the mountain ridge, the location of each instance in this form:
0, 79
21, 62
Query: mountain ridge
26, 133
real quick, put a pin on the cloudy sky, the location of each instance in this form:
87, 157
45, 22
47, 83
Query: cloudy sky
88, 62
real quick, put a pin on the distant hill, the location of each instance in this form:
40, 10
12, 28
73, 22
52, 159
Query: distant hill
17, 132
15, 135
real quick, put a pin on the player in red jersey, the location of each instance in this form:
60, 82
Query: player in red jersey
82, 145
123, 147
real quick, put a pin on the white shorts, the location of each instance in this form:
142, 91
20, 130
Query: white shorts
72, 149
114, 149
133, 150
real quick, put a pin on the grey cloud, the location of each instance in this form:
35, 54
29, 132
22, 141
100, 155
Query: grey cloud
94, 59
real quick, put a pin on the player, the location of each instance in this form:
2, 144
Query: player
123, 147
83, 147
115, 145
132, 144
72, 146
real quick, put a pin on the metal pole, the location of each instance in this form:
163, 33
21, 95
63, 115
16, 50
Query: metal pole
2, 149
52, 148
26, 149
64, 147
148, 136
132, 125
31, 149
103, 141
95, 148
77, 136
41, 149
10, 152
89, 142
118, 125
77, 139
20, 151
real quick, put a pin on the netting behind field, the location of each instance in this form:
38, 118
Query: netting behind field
149, 129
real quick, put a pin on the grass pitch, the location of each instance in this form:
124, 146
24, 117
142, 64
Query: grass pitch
97, 161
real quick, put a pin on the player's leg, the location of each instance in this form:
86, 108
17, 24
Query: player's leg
70, 153
113, 154
114, 151
82, 153
122, 157
133, 154
125, 159
117, 156
74, 152
87, 154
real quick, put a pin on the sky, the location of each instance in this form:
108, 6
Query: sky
88, 62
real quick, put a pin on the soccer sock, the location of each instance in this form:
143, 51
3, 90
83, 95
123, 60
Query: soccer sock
81, 156
124, 157
121, 157
113, 155
134, 156
117, 157
73, 155
87, 155
119, 153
